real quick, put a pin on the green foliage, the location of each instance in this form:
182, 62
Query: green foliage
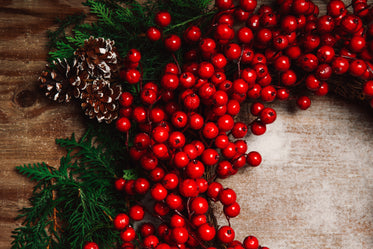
75, 202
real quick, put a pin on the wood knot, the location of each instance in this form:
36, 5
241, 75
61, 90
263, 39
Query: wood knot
25, 98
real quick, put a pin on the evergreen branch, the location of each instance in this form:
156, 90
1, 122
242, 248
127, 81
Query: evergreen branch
100, 9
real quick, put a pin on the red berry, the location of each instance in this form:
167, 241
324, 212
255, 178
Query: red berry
253, 158
210, 130
245, 35
232, 210
226, 234
192, 34
132, 76
153, 34
251, 242
268, 115
206, 232
134, 55
303, 102
181, 159
163, 18
147, 229
136, 212
158, 192
368, 88
172, 43
227, 196
123, 124
150, 241
258, 128
232, 51
248, 5
128, 234
170, 181
174, 201
223, 4
239, 130
90, 245
195, 169
199, 205
188, 188
141, 185
121, 221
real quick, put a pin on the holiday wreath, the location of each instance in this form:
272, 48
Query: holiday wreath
161, 84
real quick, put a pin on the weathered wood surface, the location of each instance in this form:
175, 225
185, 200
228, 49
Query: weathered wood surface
313, 190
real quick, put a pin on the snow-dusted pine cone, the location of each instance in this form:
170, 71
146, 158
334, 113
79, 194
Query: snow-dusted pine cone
59, 83
100, 100
98, 57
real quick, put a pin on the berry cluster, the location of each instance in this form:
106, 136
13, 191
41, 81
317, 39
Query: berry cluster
184, 128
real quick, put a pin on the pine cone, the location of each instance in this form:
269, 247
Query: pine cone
99, 100
98, 57
59, 83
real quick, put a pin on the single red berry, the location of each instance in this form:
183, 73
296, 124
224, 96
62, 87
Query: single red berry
357, 68
132, 76
206, 232
368, 88
153, 34
123, 124
303, 102
221, 141
90, 245
136, 212
226, 234
263, 36
121, 221
323, 72
148, 96
128, 234
251, 242
158, 192
253, 158
207, 45
239, 130
147, 229
245, 35
150, 241
323, 89
232, 210
219, 60
308, 62
289, 24
179, 119
210, 157
157, 174
205, 70
199, 205
188, 188
192, 34
258, 128
210, 130
126, 99
268, 115
233, 107
254, 92
223, 4
176, 140
174, 201
268, 93
232, 51
325, 24
340, 65
227, 196
187, 80
172, 43
170, 181
142, 185
160, 208
163, 18
199, 220
160, 151
282, 63
282, 93
230, 151
248, 5
195, 169
119, 184
134, 55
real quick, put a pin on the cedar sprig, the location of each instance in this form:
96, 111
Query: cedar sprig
73, 203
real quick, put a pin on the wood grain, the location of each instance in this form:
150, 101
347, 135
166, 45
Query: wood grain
313, 189
29, 123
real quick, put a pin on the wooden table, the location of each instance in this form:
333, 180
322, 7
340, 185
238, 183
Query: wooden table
313, 190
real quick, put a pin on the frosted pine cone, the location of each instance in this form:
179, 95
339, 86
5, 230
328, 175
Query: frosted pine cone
100, 100
98, 57
59, 83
